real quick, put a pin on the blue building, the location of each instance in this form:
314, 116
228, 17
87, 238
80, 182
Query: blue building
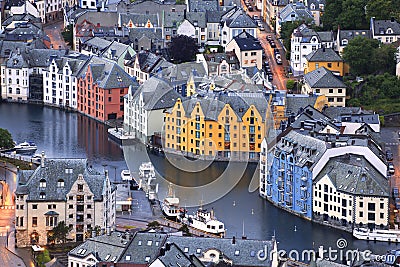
288, 180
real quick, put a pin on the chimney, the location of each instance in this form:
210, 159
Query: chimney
18, 51
108, 230
162, 252
167, 246
392, 19
233, 240
42, 160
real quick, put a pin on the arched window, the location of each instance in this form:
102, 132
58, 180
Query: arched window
42, 183
60, 183
9, 80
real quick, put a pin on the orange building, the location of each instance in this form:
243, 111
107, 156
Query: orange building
102, 85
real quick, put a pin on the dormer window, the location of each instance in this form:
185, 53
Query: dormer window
389, 31
42, 183
345, 42
42, 195
60, 183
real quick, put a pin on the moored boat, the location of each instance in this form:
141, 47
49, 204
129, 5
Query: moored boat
25, 147
205, 221
126, 176
377, 235
170, 205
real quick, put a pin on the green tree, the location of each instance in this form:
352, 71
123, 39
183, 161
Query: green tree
43, 258
67, 34
358, 54
183, 48
185, 230
153, 224
290, 84
6, 140
333, 9
378, 9
61, 231
384, 59
353, 15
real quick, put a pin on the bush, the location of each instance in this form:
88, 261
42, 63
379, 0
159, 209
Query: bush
290, 84
43, 258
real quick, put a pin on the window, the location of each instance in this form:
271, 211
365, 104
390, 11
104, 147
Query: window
331, 99
340, 91
331, 91
361, 214
42, 183
329, 65
34, 221
34, 206
60, 183
339, 99
80, 187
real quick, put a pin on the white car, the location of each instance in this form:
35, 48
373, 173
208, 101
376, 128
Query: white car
261, 28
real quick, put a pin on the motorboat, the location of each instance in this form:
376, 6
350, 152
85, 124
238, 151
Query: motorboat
377, 235
25, 147
204, 220
126, 176
146, 170
170, 205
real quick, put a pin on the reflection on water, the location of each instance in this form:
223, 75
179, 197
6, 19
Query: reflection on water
62, 134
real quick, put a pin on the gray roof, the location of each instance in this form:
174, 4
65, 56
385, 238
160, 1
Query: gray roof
323, 78
96, 43
381, 26
157, 94
143, 245
20, 17
310, 119
214, 16
174, 256
295, 11
247, 42
335, 112
238, 18
316, 4
295, 102
203, 5
197, 17
139, 19
305, 33
106, 248
103, 18
108, 74
324, 55
307, 150
173, 19
75, 61
138, 33
181, 72
351, 34
116, 50
55, 169
353, 174
326, 36
242, 252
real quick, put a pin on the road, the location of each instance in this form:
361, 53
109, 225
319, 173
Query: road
53, 30
279, 75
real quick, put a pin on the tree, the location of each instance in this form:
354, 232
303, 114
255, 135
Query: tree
153, 224
60, 232
67, 34
385, 59
290, 84
333, 9
352, 16
183, 48
358, 54
6, 140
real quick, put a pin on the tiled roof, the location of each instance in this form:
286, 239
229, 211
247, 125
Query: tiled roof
174, 256
326, 36
143, 249
173, 19
181, 72
117, 50
139, 20
238, 18
97, 42
306, 33
106, 248
353, 174
20, 17
324, 55
295, 102
214, 16
351, 34
55, 169
203, 5
323, 78
197, 17
138, 33
316, 4
335, 112
381, 27
247, 42
103, 18
298, 10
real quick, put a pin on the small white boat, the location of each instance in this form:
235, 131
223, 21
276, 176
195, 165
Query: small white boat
126, 176
26, 147
170, 205
146, 170
205, 221
377, 235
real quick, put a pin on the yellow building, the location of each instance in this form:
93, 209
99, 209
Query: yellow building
227, 127
328, 58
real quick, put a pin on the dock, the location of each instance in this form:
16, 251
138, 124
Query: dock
119, 135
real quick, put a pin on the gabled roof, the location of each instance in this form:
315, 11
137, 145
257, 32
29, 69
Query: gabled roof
116, 50
214, 16
238, 18
323, 78
138, 33
139, 20
351, 34
203, 5
247, 42
174, 256
355, 175
295, 11
198, 18
381, 27
97, 42
306, 33
324, 55
319, 5
54, 170
103, 18
296, 102
327, 36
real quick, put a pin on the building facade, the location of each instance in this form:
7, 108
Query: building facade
62, 190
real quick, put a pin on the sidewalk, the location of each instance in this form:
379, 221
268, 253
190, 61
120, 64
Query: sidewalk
23, 254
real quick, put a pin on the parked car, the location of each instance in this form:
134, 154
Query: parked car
266, 64
395, 192
391, 168
279, 61
261, 28
256, 17
268, 70
250, 8
264, 56
389, 155
269, 38
270, 77
272, 44
276, 51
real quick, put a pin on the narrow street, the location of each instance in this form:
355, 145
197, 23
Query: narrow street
279, 75
54, 30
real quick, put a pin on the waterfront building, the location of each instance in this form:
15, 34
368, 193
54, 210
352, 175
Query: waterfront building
227, 126
62, 190
349, 189
233, 23
322, 81
303, 154
327, 58
102, 85
248, 50
60, 81
143, 108
219, 63
303, 41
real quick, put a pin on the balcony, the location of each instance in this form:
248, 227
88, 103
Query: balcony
304, 178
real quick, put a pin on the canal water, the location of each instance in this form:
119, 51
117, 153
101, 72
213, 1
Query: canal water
63, 134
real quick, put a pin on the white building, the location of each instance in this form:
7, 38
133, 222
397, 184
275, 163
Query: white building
303, 42
386, 31
235, 22
60, 81
65, 190
144, 109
